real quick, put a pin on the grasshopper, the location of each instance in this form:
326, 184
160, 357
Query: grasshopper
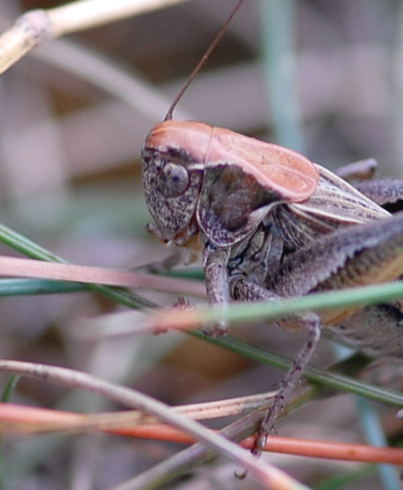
272, 224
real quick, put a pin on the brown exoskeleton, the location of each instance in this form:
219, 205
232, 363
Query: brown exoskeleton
273, 224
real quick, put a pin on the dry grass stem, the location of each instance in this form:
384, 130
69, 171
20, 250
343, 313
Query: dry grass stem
22, 419
19, 418
16, 267
37, 26
271, 477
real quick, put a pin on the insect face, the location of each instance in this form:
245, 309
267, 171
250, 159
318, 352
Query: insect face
172, 177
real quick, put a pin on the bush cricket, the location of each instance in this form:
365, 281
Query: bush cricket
273, 224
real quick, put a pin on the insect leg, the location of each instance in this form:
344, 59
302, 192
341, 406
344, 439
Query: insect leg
385, 192
312, 323
245, 290
361, 170
216, 280
375, 330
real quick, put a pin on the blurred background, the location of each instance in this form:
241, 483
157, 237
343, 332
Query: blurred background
325, 78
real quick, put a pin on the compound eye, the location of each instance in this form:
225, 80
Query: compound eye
173, 180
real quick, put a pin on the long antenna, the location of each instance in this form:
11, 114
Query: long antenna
203, 60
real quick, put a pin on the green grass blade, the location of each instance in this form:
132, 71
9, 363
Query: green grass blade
316, 375
246, 312
24, 287
9, 388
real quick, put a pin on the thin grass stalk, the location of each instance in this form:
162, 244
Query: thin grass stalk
268, 475
315, 375
375, 435
247, 312
31, 249
278, 50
